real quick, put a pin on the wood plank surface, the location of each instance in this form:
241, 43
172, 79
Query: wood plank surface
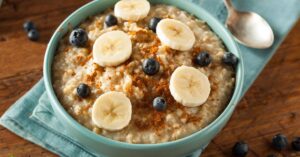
272, 105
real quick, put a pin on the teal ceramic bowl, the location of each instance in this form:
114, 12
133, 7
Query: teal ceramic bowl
107, 147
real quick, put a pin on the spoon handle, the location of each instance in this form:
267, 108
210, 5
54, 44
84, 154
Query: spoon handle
229, 6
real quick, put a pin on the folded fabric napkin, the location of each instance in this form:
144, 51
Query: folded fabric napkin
32, 118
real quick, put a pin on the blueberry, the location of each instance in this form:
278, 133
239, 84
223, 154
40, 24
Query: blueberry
33, 35
279, 142
150, 66
203, 59
153, 23
240, 149
78, 37
28, 25
296, 144
160, 104
230, 59
111, 20
83, 90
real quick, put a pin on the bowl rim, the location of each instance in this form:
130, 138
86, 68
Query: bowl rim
102, 139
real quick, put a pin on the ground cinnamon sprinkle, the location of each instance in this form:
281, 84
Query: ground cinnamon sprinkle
129, 90
153, 49
112, 88
90, 79
162, 86
153, 120
98, 85
67, 49
86, 107
168, 50
159, 60
158, 120
141, 125
99, 92
196, 50
141, 36
79, 59
146, 36
213, 88
86, 60
138, 81
97, 68
192, 119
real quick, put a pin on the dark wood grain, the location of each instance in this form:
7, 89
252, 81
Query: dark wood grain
272, 104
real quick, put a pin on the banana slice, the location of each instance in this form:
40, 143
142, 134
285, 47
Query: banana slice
112, 111
175, 34
189, 86
112, 48
132, 10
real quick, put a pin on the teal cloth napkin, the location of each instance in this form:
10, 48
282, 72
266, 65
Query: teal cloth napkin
32, 118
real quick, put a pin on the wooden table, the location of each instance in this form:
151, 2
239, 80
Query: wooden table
272, 105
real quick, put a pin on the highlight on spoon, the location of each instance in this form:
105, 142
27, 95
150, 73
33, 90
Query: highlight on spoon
251, 30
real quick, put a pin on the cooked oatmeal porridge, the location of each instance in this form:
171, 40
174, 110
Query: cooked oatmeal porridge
127, 80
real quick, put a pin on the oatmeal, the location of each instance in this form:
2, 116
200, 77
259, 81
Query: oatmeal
81, 78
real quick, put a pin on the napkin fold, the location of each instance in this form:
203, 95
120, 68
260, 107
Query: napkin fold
32, 117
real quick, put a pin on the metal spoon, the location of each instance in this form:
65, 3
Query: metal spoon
249, 28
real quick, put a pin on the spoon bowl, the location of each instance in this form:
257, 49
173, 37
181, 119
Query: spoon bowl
249, 28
